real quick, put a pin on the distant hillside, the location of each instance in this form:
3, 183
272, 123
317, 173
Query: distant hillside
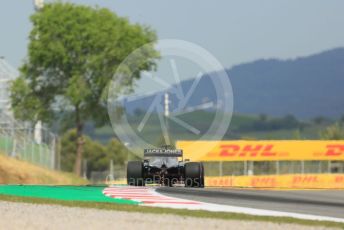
305, 87
241, 127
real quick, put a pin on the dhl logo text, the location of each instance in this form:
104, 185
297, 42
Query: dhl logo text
334, 150
233, 150
263, 181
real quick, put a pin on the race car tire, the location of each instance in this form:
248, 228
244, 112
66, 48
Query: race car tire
194, 175
202, 176
135, 173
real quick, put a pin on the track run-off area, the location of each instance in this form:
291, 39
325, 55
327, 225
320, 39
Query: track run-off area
325, 205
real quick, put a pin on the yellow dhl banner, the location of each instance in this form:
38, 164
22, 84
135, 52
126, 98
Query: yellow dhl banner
261, 150
297, 181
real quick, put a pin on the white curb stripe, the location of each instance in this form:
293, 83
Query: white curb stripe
150, 197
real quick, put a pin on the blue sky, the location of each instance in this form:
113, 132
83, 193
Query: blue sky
233, 31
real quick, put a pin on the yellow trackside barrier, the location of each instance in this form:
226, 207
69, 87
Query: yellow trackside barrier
262, 150
295, 181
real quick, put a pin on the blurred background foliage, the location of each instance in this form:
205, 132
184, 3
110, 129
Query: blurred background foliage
97, 154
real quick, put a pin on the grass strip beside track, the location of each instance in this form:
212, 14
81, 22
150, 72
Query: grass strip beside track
67, 193
181, 212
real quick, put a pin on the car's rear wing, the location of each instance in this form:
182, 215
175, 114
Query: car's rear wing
163, 153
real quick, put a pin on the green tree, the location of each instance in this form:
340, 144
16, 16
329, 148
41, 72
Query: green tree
73, 54
342, 119
333, 132
319, 120
68, 149
98, 156
94, 152
263, 117
296, 135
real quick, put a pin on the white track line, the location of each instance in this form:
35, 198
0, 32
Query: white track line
150, 197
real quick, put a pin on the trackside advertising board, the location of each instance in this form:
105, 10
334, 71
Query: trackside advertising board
297, 181
262, 150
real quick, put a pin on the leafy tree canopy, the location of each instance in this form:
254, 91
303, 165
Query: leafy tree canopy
73, 54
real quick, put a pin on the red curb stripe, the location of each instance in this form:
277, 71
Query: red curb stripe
144, 195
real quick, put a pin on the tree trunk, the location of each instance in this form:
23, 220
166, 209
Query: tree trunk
79, 143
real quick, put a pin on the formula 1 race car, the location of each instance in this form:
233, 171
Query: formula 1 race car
162, 166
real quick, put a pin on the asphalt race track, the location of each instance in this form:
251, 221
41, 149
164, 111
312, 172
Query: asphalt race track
314, 202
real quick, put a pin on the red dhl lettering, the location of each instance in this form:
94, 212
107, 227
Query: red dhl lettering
247, 150
224, 182
339, 179
265, 181
213, 182
304, 179
334, 150
220, 182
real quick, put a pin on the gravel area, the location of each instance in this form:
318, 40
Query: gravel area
30, 216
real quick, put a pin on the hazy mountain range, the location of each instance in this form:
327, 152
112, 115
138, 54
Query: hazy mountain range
305, 87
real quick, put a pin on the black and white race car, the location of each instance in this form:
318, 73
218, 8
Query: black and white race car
162, 166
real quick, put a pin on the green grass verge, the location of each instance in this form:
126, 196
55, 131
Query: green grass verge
59, 192
179, 212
